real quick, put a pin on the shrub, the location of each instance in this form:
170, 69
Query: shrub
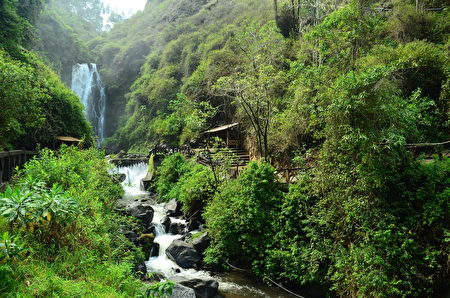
240, 214
38, 208
169, 172
196, 187
10, 250
61, 205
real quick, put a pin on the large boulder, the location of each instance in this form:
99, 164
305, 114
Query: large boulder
165, 221
154, 251
173, 208
150, 229
146, 241
180, 291
141, 270
202, 288
201, 243
184, 254
131, 235
177, 228
193, 224
142, 212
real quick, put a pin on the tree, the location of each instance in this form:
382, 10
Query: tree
297, 15
36, 106
257, 83
16, 19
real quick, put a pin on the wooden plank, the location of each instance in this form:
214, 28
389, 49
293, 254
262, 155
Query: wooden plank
16, 152
7, 168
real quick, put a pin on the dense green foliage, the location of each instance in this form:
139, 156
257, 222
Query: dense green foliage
240, 215
154, 55
16, 23
360, 233
193, 184
250, 73
343, 91
60, 207
36, 106
169, 172
363, 243
345, 99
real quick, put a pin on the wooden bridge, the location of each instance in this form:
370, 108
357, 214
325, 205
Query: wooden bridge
9, 160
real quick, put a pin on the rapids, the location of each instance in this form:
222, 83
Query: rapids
231, 284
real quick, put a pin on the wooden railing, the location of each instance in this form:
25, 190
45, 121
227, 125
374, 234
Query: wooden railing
9, 160
288, 174
186, 150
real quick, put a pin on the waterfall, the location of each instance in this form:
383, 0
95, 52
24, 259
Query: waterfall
133, 181
87, 84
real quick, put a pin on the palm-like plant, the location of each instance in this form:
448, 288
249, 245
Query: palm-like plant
17, 206
55, 203
31, 205
29, 182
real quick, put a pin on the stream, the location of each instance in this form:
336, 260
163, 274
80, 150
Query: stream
231, 284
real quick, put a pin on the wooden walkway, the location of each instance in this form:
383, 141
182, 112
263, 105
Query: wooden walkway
9, 160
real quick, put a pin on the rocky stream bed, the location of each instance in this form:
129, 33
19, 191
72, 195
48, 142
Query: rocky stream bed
174, 247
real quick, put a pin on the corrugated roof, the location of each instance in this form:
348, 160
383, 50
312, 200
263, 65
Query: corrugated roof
68, 139
220, 128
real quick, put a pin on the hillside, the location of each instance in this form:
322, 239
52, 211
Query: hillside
161, 30
64, 28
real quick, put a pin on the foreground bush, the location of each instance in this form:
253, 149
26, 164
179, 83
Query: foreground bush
169, 172
60, 206
196, 188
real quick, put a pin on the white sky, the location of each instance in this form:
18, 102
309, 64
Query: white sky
126, 6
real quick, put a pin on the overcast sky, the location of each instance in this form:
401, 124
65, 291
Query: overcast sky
126, 6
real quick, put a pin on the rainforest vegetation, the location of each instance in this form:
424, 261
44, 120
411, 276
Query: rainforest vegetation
346, 92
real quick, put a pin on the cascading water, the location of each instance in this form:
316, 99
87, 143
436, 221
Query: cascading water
87, 84
231, 285
162, 264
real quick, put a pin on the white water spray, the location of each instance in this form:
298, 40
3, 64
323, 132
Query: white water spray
162, 264
133, 181
87, 84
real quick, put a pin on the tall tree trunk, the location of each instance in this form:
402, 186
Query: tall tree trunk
294, 17
275, 10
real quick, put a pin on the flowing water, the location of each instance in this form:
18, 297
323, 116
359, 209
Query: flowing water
87, 84
231, 284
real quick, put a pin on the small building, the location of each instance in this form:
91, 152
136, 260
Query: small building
70, 141
230, 134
